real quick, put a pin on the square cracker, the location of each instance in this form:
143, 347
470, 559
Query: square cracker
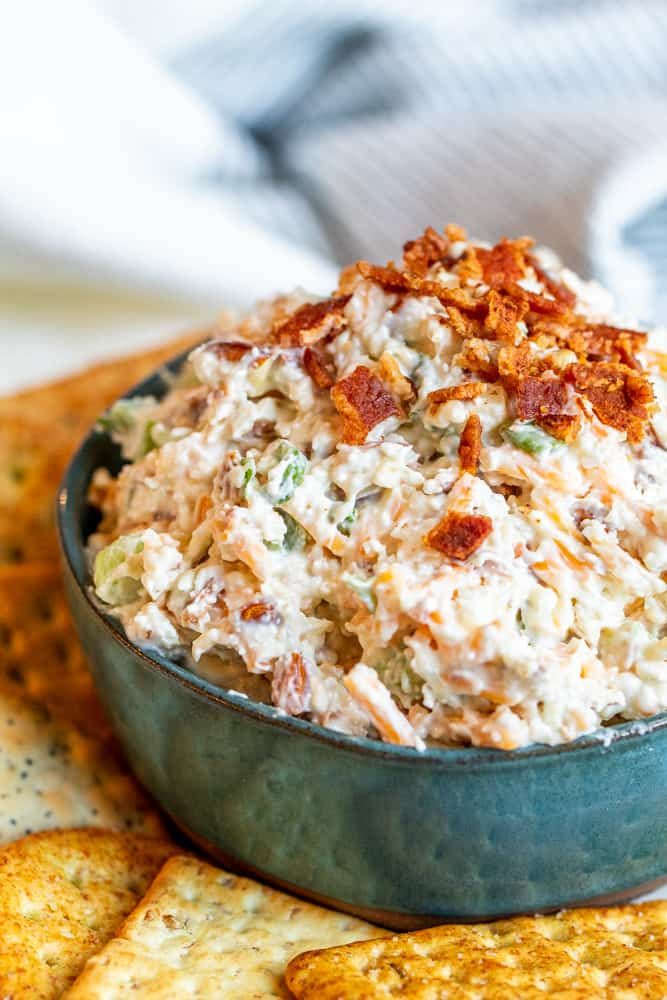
200, 931
62, 896
33, 455
54, 775
618, 953
40, 429
40, 654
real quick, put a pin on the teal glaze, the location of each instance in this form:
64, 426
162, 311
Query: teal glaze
403, 836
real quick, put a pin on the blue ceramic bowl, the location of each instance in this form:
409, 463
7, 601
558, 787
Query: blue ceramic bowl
402, 837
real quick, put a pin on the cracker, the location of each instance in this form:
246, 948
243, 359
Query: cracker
40, 429
33, 455
62, 896
202, 932
76, 401
618, 953
40, 654
53, 775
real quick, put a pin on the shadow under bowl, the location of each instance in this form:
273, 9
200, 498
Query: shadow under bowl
401, 837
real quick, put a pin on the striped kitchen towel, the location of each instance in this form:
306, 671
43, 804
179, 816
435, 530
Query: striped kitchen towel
221, 157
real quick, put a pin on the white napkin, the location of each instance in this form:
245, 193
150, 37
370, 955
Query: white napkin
247, 154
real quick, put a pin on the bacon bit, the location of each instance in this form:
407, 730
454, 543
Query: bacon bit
503, 316
228, 350
459, 535
559, 291
404, 283
261, 613
463, 391
290, 685
400, 384
469, 267
515, 363
475, 356
620, 397
312, 322
463, 326
315, 365
542, 305
540, 397
362, 401
421, 254
455, 234
505, 263
564, 426
470, 444
601, 342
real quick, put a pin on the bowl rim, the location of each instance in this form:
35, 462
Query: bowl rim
71, 545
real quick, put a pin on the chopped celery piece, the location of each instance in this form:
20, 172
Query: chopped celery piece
295, 536
295, 465
531, 438
249, 472
117, 570
122, 416
363, 589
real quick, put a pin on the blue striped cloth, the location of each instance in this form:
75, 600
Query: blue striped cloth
355, 126
268, 146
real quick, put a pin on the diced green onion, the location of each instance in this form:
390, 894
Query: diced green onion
345, 526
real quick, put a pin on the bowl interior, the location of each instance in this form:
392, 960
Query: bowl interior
76, 519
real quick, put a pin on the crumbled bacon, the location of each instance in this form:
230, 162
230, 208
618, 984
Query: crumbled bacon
421, 254
403, 282
540, 397
455, 234
459, 535
564, 426
290, 685
261, 613
504, 264
228, 350
620, 397
503, 315
601, 342
545, 306
316, 366
470, 444
462, 391
468, 267
312, 322
463, 326
475, 356
362, 401
555, 288
515, 363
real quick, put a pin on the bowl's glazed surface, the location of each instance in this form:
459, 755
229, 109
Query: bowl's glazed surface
401, 836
